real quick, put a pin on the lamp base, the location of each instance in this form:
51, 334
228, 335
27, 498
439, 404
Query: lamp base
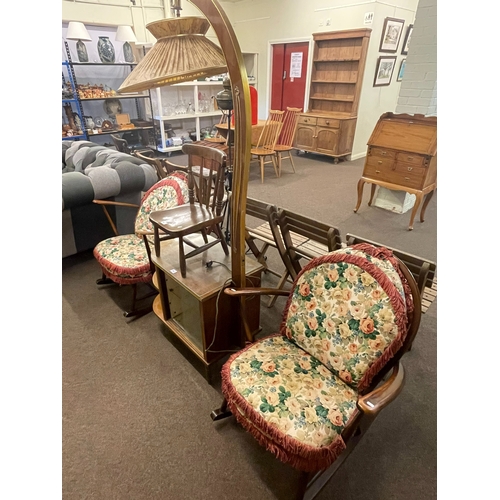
128, 53
81, 50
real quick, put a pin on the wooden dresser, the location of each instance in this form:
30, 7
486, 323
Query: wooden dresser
337, 74
402, 155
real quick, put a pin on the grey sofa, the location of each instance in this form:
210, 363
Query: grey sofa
91, 171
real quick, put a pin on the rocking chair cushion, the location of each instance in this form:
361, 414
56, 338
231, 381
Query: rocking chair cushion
289, 401
169, 192
124, 259
348, 310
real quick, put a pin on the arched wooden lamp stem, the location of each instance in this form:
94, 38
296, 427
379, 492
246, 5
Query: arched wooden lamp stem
242, 141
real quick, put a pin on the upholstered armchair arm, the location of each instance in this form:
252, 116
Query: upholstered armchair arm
380, 397
103, 203
237, 292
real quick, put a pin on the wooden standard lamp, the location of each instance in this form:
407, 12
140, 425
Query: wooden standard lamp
181, 54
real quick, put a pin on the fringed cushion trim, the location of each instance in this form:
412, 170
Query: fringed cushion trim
397, 302
145, 278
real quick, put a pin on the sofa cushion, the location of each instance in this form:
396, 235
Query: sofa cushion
76, 190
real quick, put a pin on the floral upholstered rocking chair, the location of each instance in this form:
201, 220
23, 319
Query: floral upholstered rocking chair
125, 259
309, 393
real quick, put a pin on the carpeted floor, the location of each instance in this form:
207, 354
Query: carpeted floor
136, 410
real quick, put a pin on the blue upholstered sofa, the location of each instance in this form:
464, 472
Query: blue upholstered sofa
91, 171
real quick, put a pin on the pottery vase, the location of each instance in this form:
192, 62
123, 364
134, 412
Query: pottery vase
127, 52
106, 50
81, 50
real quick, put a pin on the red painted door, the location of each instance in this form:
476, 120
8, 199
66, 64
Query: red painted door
288, 80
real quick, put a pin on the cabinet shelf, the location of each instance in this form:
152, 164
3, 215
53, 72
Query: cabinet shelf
102, 64
187, 116
115, 97
347, 59
344, 98
335, 81
114, 131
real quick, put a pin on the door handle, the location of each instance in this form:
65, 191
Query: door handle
284, 75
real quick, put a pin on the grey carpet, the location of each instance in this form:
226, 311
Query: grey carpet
136, 410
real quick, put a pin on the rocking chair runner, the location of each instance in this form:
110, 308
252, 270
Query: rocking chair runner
309, 393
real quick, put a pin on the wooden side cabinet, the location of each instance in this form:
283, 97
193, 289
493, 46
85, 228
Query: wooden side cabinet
338, 64
402, 155
195, 308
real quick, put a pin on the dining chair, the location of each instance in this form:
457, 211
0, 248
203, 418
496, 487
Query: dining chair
267, 141
284, 143
202, 214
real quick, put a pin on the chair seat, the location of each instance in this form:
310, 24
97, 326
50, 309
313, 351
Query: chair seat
282, 147
303, 429
176, 220
262, 151
124, 259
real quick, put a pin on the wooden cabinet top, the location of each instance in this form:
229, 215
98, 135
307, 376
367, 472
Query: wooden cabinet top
405, 132
332, 35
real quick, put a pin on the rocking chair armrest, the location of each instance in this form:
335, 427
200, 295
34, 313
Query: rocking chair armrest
116, 203
237, 292
375, 401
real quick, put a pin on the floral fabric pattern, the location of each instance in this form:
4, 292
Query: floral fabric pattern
169, 192
124, 257
342, 316
293, 391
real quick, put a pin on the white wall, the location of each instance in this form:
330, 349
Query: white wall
257, 23
418, 92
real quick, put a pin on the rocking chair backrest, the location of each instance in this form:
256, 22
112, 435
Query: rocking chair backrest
206, 176
169, 192
352, 310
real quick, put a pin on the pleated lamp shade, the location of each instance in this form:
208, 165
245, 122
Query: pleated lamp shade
182, 53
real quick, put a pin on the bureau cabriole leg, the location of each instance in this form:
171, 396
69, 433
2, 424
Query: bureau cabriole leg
427, 198
372, 194
361, 184
418, 201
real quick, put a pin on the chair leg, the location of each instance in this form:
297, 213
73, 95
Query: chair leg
261, 161
182, 258
291, 161
218, 231
104, 280
278, 159
220, 413
281, 284
275, 165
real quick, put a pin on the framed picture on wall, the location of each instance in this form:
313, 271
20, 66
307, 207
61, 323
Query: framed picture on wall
406, 43
385, 68
391, 34
401, 70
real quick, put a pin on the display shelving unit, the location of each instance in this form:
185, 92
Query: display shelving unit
189, 92
75, 101
83, 101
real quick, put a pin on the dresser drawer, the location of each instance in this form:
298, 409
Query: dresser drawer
308, 120
410, 176
412, 159
328, 122
379, 162
386, 153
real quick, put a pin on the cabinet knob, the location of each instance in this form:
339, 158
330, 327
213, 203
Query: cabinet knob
383, 152
410, 169
380, 162
410, 158
407, 178
377, 171
327, 122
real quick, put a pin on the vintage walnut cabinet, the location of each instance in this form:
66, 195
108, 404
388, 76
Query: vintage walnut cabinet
329, 124
402, 155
